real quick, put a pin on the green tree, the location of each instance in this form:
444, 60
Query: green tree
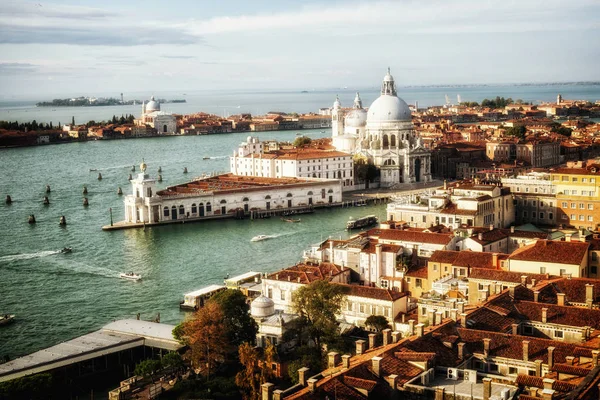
517, 131
302, 141
240, 327
172, 360
377, 322
148, 368
319, 302
305, 356
73, 120
28, 387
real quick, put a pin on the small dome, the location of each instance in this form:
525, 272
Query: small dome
356, 118
152, 105
389, 108
262, 307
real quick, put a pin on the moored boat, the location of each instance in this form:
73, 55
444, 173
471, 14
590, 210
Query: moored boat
361, 222
130, 276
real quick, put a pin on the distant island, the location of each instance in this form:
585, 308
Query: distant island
97, 101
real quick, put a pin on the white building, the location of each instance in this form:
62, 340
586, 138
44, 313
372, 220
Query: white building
255, 158
384, 135
225, 196
152, 116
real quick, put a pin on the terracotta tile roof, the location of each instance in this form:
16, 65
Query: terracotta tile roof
488, 319
372, 292
562, 315
332, 388
411, 236
444, 256
307, 273
574, 289
359, 383
552, 251
414, 356
570, 369
490, 236
454, 210
418, 272
504, 276
538, 382
477, 259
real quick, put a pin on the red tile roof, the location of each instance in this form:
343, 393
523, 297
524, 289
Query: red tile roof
538, 382
444, 256
411, 236
307, 273
476, 259
552, 251
570, 369
373, 292
504, 276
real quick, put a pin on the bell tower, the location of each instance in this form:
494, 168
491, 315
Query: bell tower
337, 118
388, 86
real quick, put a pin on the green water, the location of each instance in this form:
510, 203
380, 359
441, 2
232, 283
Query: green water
60, 296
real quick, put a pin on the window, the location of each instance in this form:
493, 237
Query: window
564, 204
573, 205
594, 256
283, 295
590, 206
582, 217
581, 206
424, 218
533, 214
573, 217
528, 330
565, 178
512, 370
594, 270
563, 272
550, 216
558, 334
493, 368
418, 282
531, 372
270, 293
593, 180
573, 192
349, 306
566, 191
361, 308
542, 270
541, 215
478, 365
590, 218
574, 179
583, 179
423, 311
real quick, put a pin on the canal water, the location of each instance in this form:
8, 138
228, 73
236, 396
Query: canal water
60, 296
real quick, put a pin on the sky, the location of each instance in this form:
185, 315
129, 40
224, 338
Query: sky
95, 47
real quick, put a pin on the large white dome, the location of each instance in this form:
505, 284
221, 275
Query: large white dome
389, 108
356, 118
262, 306
152, 105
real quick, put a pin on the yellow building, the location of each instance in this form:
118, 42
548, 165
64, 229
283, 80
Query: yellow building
578, 196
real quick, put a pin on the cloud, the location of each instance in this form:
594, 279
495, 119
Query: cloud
179, 57
28, 23
16, 68
437, 16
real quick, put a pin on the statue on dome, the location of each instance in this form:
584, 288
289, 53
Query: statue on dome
143, 166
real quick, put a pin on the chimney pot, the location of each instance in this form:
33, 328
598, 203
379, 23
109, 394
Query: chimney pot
491, 227
548, 383
544, 315
302, 375
267, 391
332, 359
461, 350
361, 346
525, 350
346, 361
589, 291
396, 336
312, 384
512, 229
376, 365
420, 329
411, 327
487, 388
391, 380
372, 338
536, 296
387, 336
560, 299
524, 280
515, 329
486, 346
550, 357
569, 359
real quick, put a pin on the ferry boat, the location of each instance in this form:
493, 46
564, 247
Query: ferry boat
196, 299
362, 222
260, 238
7, 319
131, 276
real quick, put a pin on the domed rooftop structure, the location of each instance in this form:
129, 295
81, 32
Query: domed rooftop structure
152, 105
262, 307
356, 118
388, 107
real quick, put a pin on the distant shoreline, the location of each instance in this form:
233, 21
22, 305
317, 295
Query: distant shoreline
93, 102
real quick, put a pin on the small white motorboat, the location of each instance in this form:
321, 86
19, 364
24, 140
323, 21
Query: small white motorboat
6, 319
260, 238
131, 276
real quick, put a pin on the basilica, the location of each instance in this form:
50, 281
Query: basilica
384, 135
163, 122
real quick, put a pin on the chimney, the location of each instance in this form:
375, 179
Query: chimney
391, 380
595, 358
372, 338
461, 350
560, 299
491, 227
463, 320
495, 260
431, 317
567, 237
267, 391
278, 394
480, 236
486, 346
544, 315
461, 307
445, 185
569, 360
420, 329
548, 383
487, 388
515, 329
395, 336
331, 251
512, 229
302, 375
411, 327
312, 384
538, 368
361, 346
332, 359
536, 296
439, 317
589, 292
439, 393
525, 350
454, 315
524, 280
511, 292
550, 357
387, 336
376, 365
533, 282
346, 361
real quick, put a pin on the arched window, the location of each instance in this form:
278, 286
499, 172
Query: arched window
267, 197
289, 195
164, 128
181, 210
330, 191
223, 201
310, 193
245, 199
386, 143
393, 140
339, 174
389, 162
166, 211
194, 208
208, 207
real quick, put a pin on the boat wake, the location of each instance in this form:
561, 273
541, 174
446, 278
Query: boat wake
215, 158
85, 269
29, 256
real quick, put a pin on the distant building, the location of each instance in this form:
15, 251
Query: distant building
162, 122
535, 198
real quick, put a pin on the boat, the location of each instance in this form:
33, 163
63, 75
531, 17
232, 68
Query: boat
131, 276
259, 238
93, 169
66, 250
7, 319
290, 220
206, 158
361, 222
